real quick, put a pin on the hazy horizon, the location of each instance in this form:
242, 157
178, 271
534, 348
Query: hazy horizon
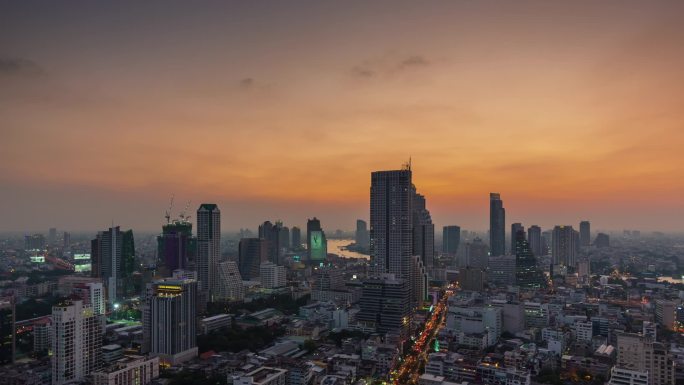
571, 110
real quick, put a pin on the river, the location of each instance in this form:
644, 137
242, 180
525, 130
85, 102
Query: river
335, 246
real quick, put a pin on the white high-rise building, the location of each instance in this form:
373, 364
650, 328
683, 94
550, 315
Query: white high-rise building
171, 320
272, 276
76, 338
230, 287
619, 376
208, 247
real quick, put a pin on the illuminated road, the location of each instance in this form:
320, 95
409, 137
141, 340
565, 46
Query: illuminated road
409, 369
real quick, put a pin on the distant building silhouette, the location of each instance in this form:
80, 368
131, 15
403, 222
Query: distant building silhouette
564, 246
497, 225
296, 233
423, 230
515, 228
451, 238
252, 252
585, 233
602, 240
362, 236
535, 240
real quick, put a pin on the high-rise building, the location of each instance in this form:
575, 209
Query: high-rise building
7, 330
284, 238
171, 322
526, 273
252, 252
384, 305
419, 281
451, 238
476, 254
362, 235
585, 234
423, 230
271, 234
66, 241
34, 242
602, 240
497, 225
515, 228
391, 222
535, 240
272, 276
76, 338
113, 260
564, 247
93, 295
208, 247
316, 243
176, 248
296, 237
230, 287
52, 236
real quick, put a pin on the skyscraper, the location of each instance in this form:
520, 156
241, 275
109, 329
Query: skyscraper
208, 247
176, 248
316, 243
535, 240
171, 323
296, 237
391, 222
423, 230
362, 236
526, 273
602, 240
283, 239
585, 233
76, 339
451, 238
52, 236
66, 241
271, 234
388, 292
113, 260
563, 246
476, 254
7, 330
251, 254
515, 228
497, 225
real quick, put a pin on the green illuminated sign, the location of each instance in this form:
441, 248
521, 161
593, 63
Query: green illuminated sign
317, 245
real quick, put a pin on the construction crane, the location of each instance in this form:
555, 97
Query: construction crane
182, 215
168, 212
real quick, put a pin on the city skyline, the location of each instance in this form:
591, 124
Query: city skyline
578, 122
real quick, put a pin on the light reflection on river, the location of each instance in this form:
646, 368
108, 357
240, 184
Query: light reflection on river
335, 247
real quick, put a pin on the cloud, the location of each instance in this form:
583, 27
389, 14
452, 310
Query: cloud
362, 72
414, 61
19, 66
247, 83
389, 65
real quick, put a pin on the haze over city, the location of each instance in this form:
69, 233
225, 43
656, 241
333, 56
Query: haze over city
281, 110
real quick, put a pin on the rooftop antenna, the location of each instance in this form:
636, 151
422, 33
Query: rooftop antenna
168, 212
407, 166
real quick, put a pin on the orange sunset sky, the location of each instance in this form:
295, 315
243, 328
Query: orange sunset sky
280, 110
